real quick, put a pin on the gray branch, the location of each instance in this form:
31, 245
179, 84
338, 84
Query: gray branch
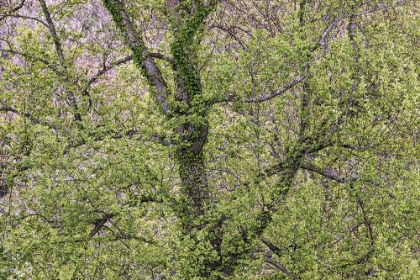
2, 16
33, 58
105, 69
52, 29
262, 98
141, 55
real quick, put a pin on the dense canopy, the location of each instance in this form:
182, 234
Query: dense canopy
209, 139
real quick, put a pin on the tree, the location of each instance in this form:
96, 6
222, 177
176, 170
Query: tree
210, 139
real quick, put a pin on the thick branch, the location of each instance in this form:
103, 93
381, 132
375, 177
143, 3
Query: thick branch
53, 32
100, 223
277, 265
327, 174
162, 57
352, 31
273, 247
133, 134
187, 78
119, 62
323, 39
358, 148
142, 57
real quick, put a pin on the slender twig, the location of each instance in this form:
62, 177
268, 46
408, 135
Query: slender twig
30, 57
34, 120
105, 69
15, 9
2, 16
327, 174
228, 30
262, 98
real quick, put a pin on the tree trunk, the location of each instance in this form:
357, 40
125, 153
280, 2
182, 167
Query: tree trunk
195, 188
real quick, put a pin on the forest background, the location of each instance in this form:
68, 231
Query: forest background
209, 139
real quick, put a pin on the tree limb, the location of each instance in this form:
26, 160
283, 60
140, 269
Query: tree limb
141, 55
34, 120
162, 57
278, 265
59, 50
228, 31
281, 90
273, 247
262, 98
327, 174
100, 223
28, 56
105, 69
323, 39
15, 9
2, 16
52, 29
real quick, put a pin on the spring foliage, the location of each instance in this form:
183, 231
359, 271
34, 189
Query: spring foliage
209, 139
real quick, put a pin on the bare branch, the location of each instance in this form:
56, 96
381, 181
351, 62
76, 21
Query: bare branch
259, 99
327, 174
105, 69
132, 134
15, 9
352, 31
358, 148
228, 31
2, 16
323, 39
30, 57
281, 90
